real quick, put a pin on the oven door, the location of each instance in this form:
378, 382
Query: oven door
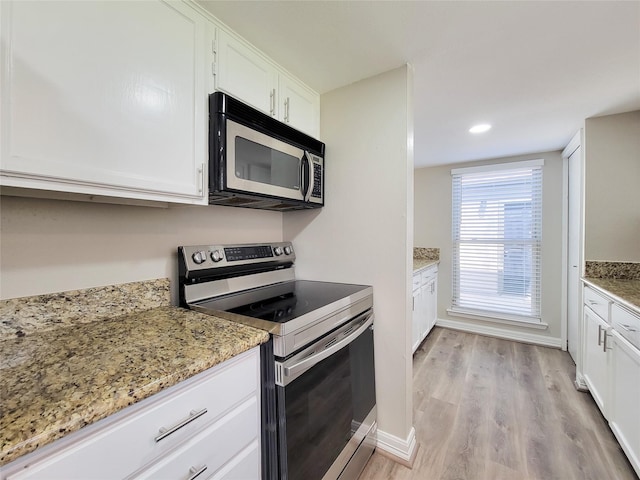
326, 402
259, 163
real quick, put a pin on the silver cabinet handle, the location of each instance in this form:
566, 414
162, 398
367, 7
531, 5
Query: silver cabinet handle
195, 471
286, 104
599, 334
272, 102
201, 178
165, 432
604, 342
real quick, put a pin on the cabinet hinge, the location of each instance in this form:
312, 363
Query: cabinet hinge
214, 52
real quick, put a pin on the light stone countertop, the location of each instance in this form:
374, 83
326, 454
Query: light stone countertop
54, 381
625, 292
421, 263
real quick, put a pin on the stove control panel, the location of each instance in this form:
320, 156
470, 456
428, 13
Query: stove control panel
201, 257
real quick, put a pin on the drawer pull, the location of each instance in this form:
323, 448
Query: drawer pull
165, 432
195, 471
599, 335
604, 343
628, 328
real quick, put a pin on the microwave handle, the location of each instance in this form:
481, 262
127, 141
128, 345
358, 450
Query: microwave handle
305, 170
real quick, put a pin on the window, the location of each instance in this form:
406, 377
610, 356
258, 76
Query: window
497, 233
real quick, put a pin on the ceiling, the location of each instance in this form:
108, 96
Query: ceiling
533, 69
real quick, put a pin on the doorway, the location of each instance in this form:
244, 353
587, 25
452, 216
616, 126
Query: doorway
573, 157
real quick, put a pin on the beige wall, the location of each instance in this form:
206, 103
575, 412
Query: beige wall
363, 234
53, 245
432, 228
612, 188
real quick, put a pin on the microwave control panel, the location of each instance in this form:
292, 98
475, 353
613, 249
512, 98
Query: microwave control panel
317, 181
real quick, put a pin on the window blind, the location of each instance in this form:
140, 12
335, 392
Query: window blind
497, 233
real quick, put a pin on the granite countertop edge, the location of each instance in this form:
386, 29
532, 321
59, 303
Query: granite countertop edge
423, 263
625, 292
105, 372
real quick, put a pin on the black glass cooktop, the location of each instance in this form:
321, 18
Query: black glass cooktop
283, 302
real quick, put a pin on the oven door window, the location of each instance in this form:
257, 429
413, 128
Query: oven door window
323, 409
259, 163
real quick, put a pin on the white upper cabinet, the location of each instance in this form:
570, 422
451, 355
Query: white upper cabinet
298, 106
105, 98
244, 73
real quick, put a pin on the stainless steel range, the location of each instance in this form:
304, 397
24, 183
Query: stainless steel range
319, 404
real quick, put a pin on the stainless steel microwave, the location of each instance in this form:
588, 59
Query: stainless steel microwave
256, 161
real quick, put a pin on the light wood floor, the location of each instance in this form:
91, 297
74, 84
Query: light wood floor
493, 409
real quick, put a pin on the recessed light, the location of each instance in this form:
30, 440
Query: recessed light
481, 128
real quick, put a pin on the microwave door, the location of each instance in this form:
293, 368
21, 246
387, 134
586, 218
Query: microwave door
258, 163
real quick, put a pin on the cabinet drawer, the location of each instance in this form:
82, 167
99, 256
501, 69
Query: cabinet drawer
212, 448
626, 324
429, 274
416, 281
597, 303
244, 466
128, 442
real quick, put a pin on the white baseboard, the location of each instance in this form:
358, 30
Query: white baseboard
401, 450
492, 331
580, 383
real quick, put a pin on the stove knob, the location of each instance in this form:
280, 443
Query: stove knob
288, 250
199, 257
217, 255
277, 251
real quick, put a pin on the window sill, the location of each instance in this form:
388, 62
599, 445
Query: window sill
514, 320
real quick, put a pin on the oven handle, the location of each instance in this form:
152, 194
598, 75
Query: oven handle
309, 362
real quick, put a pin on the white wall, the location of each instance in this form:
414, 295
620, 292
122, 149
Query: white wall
53, 245
432, 228
612, 188
364, 233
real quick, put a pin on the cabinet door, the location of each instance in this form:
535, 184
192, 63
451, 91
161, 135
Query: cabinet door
624, 411
416, 319
104, 98
245, 74
596, 358
425, 309
431, 307
299, 106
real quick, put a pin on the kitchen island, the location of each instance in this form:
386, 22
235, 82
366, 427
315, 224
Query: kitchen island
72, 367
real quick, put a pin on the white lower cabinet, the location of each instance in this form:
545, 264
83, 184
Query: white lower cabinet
596, 358
416, 336
209, 423
210, 449
425, 303
612, 367
624, 408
